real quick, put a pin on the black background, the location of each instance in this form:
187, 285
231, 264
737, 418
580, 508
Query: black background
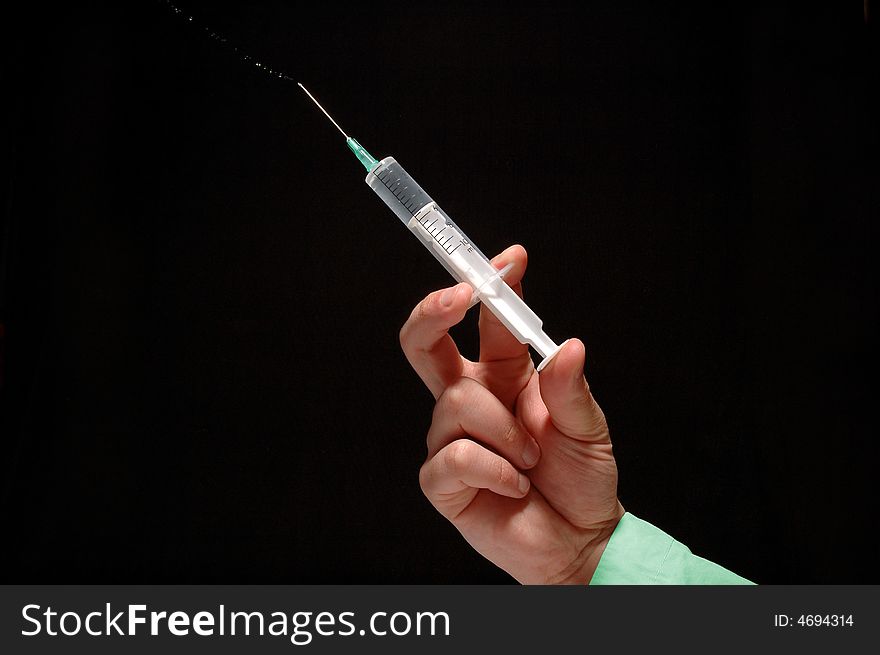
201, 298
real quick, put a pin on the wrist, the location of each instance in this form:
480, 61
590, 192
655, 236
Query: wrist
593, 543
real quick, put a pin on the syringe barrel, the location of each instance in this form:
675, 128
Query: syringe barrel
464, 261
397, 189
439, 234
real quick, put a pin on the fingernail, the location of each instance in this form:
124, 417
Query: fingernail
447, 296
531, 453
523, 483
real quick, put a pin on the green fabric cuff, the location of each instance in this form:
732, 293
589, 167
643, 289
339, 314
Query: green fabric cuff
639, 553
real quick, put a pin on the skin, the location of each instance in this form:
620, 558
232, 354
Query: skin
520, 462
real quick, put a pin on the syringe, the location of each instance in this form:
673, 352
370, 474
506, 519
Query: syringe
439, 234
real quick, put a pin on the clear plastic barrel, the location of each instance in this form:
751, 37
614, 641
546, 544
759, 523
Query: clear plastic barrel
464, 261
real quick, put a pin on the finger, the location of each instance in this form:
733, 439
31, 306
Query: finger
567, 396
464, 465
425, 337
496, 341
467, 409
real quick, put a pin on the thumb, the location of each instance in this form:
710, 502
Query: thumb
567, 396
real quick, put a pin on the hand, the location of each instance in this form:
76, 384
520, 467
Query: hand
519, 462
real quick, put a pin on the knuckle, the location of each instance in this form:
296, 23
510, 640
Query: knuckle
510, 434
457, 455
503, 473
425, 476
403, 335
426, 307
454, 398
417, 315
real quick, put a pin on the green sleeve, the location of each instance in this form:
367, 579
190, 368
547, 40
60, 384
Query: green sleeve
639, 554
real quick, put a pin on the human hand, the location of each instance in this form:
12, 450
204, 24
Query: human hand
520, 462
